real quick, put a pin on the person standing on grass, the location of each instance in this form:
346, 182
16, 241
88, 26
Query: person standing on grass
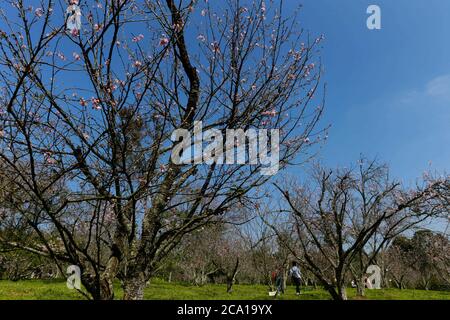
296, 276
277, 279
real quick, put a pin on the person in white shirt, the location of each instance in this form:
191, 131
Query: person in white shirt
296, 276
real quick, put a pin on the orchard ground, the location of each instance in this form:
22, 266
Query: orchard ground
162, 290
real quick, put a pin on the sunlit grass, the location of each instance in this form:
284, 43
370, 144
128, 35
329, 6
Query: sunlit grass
162, 290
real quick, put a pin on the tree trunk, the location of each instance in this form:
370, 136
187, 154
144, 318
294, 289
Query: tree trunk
342, 292
427, 284
99, 289
230, 282
402, 285
336, 293
360, 286
232, 277
285, 277
106, 289
133, 287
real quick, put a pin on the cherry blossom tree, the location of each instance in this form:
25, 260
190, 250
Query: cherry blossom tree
421, 261
195, 254
344, 218
262, 248
430, 257
227, 258
399, 262
86, 118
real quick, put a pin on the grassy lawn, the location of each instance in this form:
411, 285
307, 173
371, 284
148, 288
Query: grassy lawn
57, 290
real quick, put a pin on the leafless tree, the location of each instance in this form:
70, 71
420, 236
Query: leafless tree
227, 257
86, 119
262, 247
344, 218
399, 262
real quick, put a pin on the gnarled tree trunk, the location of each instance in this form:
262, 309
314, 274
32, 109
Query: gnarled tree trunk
231, 277
342, 291
133, 287
360, 286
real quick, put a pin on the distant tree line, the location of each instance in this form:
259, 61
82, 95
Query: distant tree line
335, 225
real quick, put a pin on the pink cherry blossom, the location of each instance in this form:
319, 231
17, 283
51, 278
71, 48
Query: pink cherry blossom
178, 27
319, 39
215, 47
96, 103
83, 102
201, 38
138, 38
111, 88
39, 12
61, 56
243, 9
271, 113
97, 27
76, 56
49, 159
120, 82
163, 41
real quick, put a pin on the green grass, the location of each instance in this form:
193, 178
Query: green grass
36, 290
57, 290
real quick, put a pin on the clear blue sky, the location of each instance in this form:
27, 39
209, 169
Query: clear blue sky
389, 89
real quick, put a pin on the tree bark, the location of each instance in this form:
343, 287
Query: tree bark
133, 287
106, 289
232, 277
342, 292
230, 282
285, 277
99, 289
360, 286
337, 293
